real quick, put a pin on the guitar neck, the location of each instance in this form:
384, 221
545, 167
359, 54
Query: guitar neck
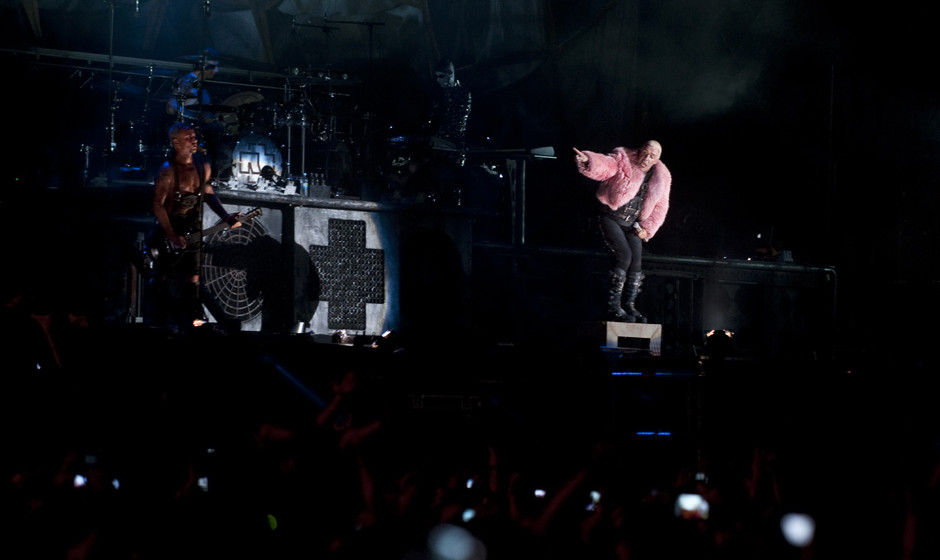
198, 235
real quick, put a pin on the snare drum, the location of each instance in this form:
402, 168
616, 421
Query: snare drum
252, 154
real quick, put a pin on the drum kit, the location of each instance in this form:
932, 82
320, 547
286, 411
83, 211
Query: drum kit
269, 137
262, 142
130, 143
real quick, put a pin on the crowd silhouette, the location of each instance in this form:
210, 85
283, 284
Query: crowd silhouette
113, 453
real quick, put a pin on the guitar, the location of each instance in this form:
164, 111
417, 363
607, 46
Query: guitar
160, 254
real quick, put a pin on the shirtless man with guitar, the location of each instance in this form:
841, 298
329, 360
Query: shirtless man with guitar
181, 186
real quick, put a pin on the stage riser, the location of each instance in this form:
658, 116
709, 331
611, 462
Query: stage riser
772, 309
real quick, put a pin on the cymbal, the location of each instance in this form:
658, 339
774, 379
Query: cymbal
212, 108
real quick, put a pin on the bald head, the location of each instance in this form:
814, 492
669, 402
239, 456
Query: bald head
648, 155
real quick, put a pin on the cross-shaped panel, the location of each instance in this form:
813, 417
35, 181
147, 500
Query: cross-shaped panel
351, 275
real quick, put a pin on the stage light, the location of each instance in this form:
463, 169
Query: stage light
719, 343
798, 529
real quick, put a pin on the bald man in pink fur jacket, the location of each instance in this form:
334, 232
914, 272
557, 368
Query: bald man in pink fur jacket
633, 199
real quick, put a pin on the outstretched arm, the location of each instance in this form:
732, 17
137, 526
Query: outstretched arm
597, 166
579, 156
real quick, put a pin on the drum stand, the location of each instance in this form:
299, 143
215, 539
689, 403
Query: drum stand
112, 98
113, 101
289, 124
289, 120
329, 134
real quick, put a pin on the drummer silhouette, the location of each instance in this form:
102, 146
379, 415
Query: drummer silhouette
190, 96
190, 101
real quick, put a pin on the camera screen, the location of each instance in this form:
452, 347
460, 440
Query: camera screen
691, 506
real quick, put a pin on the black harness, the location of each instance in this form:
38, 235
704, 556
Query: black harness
627, 214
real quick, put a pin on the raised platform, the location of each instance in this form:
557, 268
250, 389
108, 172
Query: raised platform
636, 336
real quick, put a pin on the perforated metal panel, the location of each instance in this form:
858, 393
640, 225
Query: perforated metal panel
351, 275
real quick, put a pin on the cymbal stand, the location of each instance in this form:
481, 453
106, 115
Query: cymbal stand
204, 56
301, 121
197, 304
303, 125
303, 144
112, 92
330, 107
113, 98
289, 120
326, 33
112, 109
143, 121
371, 25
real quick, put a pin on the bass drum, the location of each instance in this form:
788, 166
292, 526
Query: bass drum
256, 160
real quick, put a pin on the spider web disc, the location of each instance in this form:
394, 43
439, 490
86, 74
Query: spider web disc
228, 262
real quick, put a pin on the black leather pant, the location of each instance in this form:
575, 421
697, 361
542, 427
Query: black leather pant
624, 248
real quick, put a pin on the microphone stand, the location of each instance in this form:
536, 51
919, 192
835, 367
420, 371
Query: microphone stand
112, 93
203, 59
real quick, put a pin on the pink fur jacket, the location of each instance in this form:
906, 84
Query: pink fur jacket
620, 181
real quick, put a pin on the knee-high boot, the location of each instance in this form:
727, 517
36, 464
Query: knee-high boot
617, 278
631, 289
